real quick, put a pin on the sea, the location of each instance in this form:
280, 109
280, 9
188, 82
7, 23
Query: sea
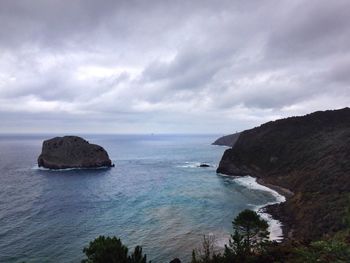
156, 196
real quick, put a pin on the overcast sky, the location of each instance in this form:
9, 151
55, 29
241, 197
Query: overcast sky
108, 66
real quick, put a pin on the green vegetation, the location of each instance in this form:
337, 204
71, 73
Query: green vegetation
248, 244
308, 155
111, 250
250, 232
323, 252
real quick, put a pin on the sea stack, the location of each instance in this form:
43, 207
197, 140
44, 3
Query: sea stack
72, 152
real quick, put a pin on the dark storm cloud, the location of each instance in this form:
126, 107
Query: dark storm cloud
312, 28
140, 66
188, 70
51, 22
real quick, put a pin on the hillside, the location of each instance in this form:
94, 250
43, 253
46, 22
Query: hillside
310, 155
227, 140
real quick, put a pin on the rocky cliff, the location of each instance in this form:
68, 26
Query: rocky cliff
72, 152
310, 155
227, 140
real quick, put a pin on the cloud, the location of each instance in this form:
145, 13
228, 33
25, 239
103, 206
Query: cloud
169, 66
309, 29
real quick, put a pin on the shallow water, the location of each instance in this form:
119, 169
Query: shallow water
156, 196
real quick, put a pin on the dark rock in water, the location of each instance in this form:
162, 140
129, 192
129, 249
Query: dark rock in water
227, 140
204, 165
175, 260
72, 152
310, 155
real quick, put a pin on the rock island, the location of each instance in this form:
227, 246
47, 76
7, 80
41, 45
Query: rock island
72, 152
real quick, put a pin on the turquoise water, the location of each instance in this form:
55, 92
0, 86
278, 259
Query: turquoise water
156, 196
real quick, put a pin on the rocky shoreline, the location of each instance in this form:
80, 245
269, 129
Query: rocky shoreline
275, 212
308, 156
275, 224
281, 190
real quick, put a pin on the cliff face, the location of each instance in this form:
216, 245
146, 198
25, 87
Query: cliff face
309, 155
227, 140
72, 152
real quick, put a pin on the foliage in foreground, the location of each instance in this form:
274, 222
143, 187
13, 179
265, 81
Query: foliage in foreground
111, 250
248, 244
324, 251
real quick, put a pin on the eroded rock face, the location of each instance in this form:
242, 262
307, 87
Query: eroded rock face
227, 140
72, 152
308, 155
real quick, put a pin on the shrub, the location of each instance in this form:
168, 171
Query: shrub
111, 250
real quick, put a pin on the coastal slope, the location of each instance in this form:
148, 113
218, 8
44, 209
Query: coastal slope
227, 140
309, 155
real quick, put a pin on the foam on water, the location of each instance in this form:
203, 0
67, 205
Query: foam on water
36, 167
196, 165
275, 226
